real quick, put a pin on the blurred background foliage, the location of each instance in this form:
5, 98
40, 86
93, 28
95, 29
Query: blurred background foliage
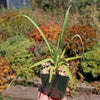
14, 50
91, 61
54, 4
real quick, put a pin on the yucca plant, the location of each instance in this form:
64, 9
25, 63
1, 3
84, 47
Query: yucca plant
57, 59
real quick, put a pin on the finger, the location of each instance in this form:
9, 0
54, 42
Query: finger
42, 96
67, 90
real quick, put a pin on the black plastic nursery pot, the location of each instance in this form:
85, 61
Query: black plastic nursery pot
57, 87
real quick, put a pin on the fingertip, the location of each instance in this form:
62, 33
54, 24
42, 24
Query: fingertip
67, 90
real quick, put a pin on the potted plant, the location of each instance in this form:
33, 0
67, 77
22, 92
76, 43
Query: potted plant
53, 82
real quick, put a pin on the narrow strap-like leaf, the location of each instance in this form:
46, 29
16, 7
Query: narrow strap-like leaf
77, 35
63, 32
41, 62
51, 73
62, 61
69, 74
51, 51
56, 65
72, 58
13, 81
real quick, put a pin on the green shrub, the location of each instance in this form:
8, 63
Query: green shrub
14, 50
14, 24
91, 61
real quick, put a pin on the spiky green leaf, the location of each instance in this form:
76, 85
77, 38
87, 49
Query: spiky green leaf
77, 35
51, 73
62, 34
51, 51
69, 74
41, 62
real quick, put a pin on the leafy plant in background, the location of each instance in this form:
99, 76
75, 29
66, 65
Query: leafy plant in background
4, 70
14, 50
90, 62
87, 34
51, 31
95, 47
14, 26
57, 58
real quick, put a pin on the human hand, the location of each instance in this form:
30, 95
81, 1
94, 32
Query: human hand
42, 96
